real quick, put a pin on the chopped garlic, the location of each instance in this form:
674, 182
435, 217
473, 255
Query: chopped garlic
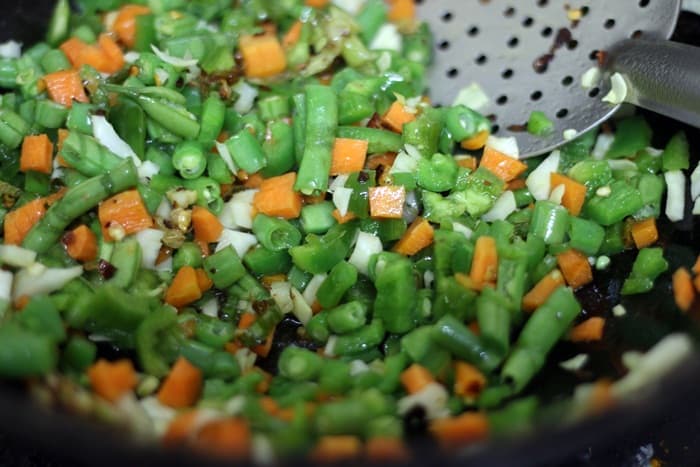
603, 191
591, 78
569, 134
575, 363
619, 311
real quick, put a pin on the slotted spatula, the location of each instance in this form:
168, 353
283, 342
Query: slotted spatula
531, 54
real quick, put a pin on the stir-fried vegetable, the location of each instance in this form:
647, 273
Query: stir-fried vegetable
190, 183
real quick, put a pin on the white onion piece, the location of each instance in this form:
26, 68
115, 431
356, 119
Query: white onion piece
507, 146
538, 182
505, 205
472, 96
695, 183
37, 279
240, 241
225, 154
602, 146
17, 256
301, 309
281, 293
618, 90
366, 246
312, 288
675, 199
106, 135
341, 199
463, 229
6, 279
150, 242
246, 97
351, 6
387, 38
174, 61
11, 49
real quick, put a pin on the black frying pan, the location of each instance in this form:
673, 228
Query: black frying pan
67, 438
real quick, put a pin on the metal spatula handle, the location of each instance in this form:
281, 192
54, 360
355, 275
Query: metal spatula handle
662, 76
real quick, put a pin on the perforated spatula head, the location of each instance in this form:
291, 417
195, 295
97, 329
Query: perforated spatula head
530, 55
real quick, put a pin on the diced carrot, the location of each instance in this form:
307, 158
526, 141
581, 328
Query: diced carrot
683, 289
645, 233
505, 167
460, 430
588, 331
93, 56
397, 116
125, 210
468, 162
20, 221
575, 267
229, 438
203, 247
62, 135
336, 448
182, 386
484, 268
384, 449
343, 219
601, 397
477, 141
81, 243
386, 202
317, 3
402, 10
21, 302
181, 428
72, 48
348, 155
263, 56
293, 35
419, 235
125, 22
277, 197
203, 281
469, 381
696, 266
111, 380
516, 184
696, 282
37, 154
386, 159
313, 199
184, 289
245, 321
267, 281
251, 181
64, 87
113, 53
206, 225
269, 405
539, 294
415, 378
574, 192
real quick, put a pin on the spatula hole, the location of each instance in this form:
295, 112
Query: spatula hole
509, 12
535, 96
447, 16
567, 81
444, 45
452, 73
585, 10
513, 42
542, 3
561, 113
593, 55
594, 92
494, 129
609, 23
473, 31
507, 73
546, 32
643, 3
572, 44
528, 21
502, 100
481, 59
637, 34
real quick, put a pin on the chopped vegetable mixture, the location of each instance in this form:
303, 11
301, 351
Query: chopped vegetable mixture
243, 226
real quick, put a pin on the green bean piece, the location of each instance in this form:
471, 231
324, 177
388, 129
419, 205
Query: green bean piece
76, 202
213, 332
189, 159
213, 115
319, 254
380, 141
266, 262
347, 317
275, 234
279, 149
550, 222
372, 16
396, 295
89, 157
321, 124
127, 261
48, 114
224, 267
189, 254
494, 318
79, 354
317, 327
158, 341
541, 332
362, 339
299, 364
454, 336
25, 354
246, 151
129, 122
318, 218
299, 125
340, 278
